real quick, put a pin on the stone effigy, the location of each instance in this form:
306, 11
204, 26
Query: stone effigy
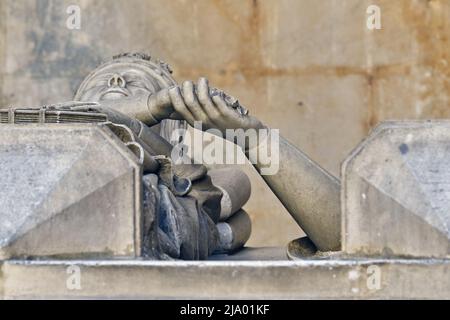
184, 214
309, 193
92, 184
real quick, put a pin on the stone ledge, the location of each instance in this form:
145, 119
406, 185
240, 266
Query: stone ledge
302, 279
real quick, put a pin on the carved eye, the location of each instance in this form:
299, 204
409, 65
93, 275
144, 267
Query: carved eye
138, 84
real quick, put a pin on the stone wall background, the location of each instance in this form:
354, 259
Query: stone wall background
308, 67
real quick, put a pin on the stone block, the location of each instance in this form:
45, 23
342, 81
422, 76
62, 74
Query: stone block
68, 191
396, 192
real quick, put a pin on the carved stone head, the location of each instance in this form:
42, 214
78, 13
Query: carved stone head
125, 75
129, 75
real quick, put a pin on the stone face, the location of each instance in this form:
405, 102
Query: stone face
396, 191
68, 191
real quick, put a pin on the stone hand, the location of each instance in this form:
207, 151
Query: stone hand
212, 107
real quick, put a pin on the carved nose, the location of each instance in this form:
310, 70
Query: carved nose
116, 81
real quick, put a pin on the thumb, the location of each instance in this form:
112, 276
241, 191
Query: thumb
160, 105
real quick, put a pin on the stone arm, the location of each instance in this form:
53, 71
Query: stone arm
309, 193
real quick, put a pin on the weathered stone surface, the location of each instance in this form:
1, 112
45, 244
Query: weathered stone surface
396, 191
68, 191
337, 279
310, 68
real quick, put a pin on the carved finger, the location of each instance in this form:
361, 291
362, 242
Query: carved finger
205, 100
223, 107
160, 104
192, 103
179, 105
